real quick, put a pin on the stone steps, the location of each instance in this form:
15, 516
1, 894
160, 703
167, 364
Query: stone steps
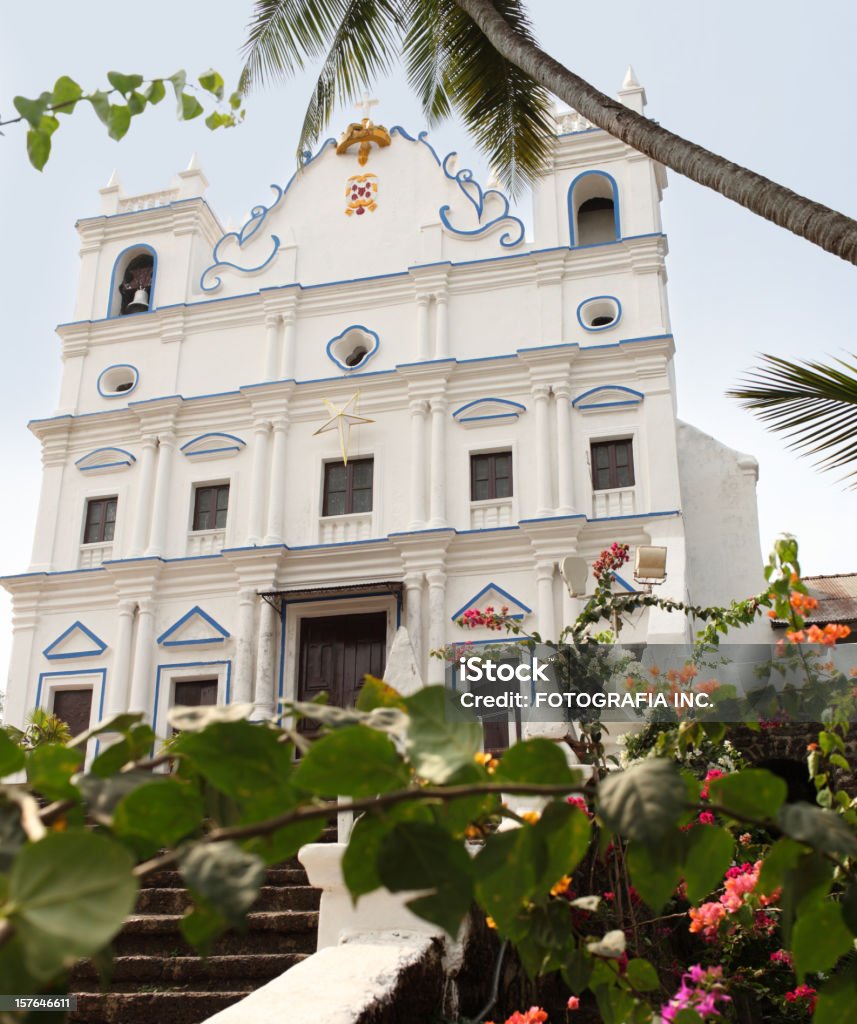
158, 978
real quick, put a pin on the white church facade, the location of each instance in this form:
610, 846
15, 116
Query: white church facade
503, 401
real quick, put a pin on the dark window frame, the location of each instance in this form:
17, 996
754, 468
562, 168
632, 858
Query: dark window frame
349, 490
492, 458
212, 494
612, 467
96, 532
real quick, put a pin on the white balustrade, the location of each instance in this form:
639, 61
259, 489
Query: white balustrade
485, 514
94, 554
205, 542
337, 529
618, 501
148, 200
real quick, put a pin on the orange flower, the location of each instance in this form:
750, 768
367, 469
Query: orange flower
796, 636
709, 686
490, 922
562, 886
811, 746
531, 817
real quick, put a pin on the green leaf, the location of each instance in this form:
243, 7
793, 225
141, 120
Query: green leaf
536, 761
355, 761
66, 94
359, 862
225, 876
32, 110
819, 939
235, 100
38, 147
12, 834
643, 802
202, 926
242, 760
191, 107
782, 858
156, 91
124, 83
611, 946
212, 82
136, 103
118, 121
216, 120
419, 856
642, 975
375, 693
837, 998
656, 870
164, 812
441, 736
565, 832
190, 719
285, 842
507, 872
50, 768
752, 793
102, 795
817, 827
71, 892
709, 854
849, 907
121, 723
134, 745
101, 105
11, 755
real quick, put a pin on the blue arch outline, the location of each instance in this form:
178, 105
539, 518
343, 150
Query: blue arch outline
365, 359
638, 395
127, 461
515, 406
570, 195
238, 446
118, 394
137, 249
603, 327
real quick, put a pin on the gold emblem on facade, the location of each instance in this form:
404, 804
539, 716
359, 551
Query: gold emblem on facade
360, 194
363, 134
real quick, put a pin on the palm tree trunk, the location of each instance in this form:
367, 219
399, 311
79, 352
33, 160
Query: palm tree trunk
826, 228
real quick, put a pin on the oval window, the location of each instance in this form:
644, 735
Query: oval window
118, 380
352, 349
599, 313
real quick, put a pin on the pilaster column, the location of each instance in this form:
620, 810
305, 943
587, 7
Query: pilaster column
266, 659
287, 371
414, 611
543, 481
441, 348
161, 503
563, 450
53, 471
277, 492
418, 408
244, 647
141, 673
437, 623
119, 681
544, 590
143, 504
256, 518
273, 345
423, 346
438, 462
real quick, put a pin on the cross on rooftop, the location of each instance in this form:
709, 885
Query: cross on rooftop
366, 105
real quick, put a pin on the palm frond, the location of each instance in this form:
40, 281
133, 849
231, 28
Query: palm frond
426, 53
506, 110
813, 405
282, 33
364, 46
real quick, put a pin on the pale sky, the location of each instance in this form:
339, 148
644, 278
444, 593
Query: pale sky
761, 83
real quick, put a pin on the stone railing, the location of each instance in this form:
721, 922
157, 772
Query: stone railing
94, 554
495, 512
619, 501
570, 121
337, 529
148, 200
205, 542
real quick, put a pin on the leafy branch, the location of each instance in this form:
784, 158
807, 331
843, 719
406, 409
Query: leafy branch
41, 114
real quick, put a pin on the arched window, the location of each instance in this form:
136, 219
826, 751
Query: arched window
132, 284
593, 209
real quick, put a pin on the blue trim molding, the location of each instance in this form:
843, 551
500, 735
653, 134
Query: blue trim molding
370, 338
118, 394
485, 411
73, 673
602, 327
131, 251
616, 394
98, 647
219, 634
213, 444
186, 665
513, 601
571, 211
105, 458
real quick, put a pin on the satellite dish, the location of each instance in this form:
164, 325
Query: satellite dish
575, 573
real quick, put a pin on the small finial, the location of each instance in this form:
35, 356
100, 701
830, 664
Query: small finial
114, 179
193, 163
630, 79
366, 105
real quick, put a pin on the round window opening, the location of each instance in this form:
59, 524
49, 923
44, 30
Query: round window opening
117, 380
599, 313
352, 349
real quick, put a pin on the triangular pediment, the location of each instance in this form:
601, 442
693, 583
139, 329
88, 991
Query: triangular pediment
75, 642
194, 628
494, 596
